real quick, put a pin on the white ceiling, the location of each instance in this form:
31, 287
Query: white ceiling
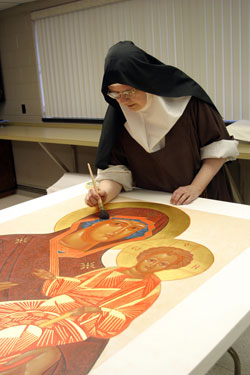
5, 4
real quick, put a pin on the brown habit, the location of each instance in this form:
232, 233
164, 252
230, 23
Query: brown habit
179, 161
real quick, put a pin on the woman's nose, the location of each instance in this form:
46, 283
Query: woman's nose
123, 99
153, 264
119, 230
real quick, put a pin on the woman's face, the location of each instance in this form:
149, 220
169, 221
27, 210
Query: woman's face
111, 230
134, 102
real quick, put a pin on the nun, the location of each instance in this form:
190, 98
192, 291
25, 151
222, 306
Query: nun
161, 132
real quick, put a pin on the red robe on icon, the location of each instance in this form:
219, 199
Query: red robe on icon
120, 299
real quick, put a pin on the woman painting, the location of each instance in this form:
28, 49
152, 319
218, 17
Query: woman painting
161, 132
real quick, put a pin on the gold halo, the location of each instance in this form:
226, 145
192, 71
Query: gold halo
202, 257
178, 220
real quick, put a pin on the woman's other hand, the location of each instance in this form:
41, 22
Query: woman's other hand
185, 195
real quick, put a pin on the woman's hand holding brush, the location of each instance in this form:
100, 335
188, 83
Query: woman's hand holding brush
92, 197
103, 214
106, 191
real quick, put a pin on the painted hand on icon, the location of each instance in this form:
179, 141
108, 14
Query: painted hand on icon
6, 285
43, 274
39, 361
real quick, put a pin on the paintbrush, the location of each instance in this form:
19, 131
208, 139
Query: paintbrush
103, 213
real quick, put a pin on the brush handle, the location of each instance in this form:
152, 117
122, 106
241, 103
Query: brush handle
92, 178
100, 204
103, 214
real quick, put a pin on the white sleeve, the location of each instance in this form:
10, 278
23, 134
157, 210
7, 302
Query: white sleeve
225, 148
117, 173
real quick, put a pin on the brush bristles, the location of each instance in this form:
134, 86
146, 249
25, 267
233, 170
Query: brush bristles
104, 214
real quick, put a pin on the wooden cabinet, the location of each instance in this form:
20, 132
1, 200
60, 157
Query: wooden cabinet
7, 169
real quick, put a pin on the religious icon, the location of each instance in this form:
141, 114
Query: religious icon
100, 304
53, 306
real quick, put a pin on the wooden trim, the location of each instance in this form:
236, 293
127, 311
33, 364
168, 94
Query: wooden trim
55, 125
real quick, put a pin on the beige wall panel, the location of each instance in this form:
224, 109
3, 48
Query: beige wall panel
11, 77
28, 74
34, 168
25, 40
29, 91
33, 106
12, 107
9, 42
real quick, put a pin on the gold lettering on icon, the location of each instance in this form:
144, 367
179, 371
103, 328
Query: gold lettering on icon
21, 240
195, 266
87, 265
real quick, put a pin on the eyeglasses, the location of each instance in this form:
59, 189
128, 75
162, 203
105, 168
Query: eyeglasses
125, 94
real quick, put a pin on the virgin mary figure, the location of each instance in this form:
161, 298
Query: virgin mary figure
79, 238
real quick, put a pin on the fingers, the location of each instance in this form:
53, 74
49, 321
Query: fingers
6, 285
91, 198
180, 198
184, 195
43, 274
85, 309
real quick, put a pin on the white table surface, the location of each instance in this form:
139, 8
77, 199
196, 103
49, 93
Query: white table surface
194, 334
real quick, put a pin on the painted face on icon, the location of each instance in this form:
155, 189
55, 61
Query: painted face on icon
155, 262
111, 230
